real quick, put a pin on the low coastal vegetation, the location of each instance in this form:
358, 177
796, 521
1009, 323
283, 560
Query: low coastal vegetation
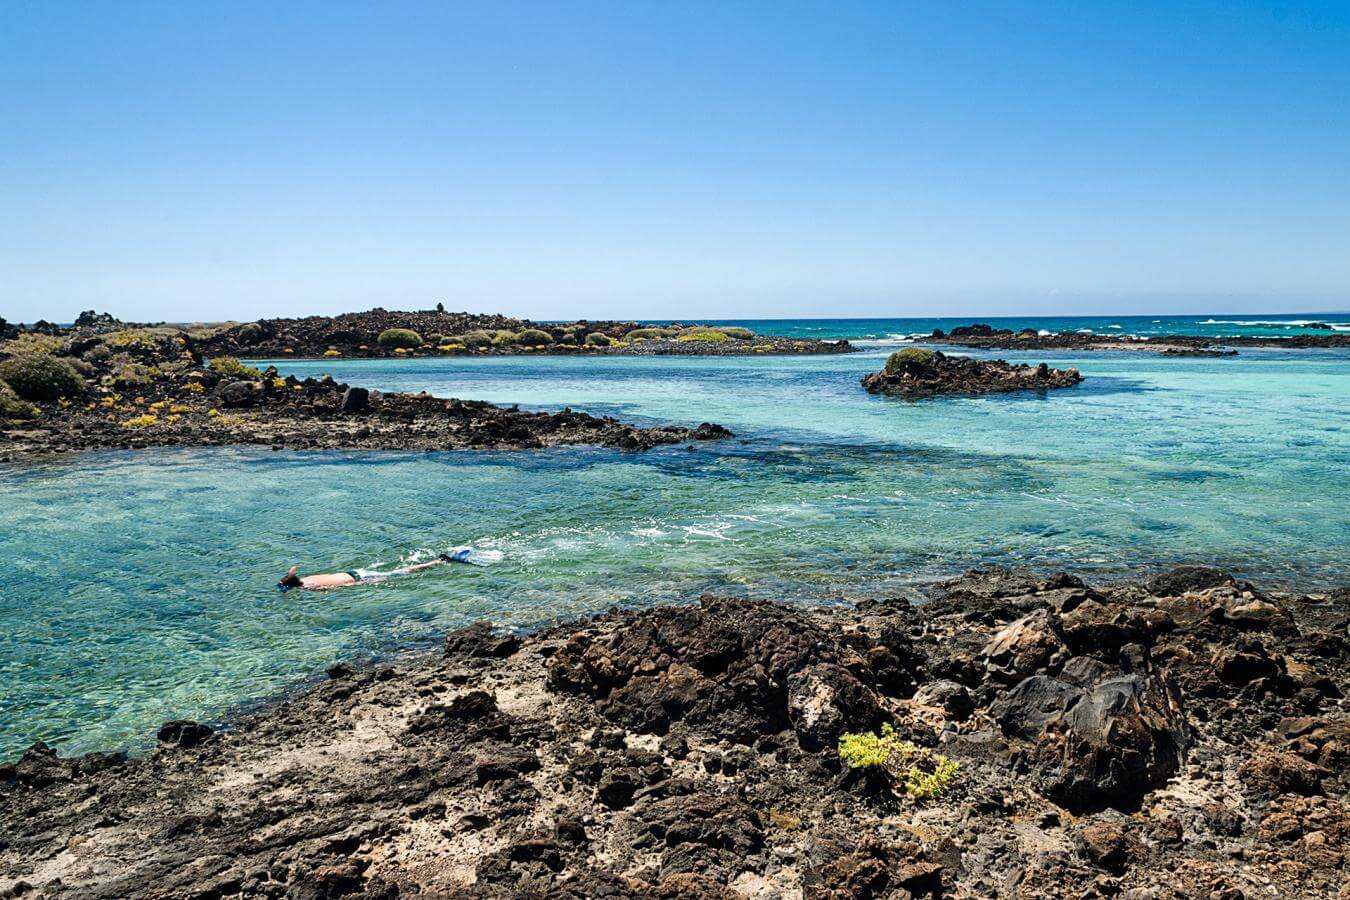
41, 377
702, 335
913, 771
13, 407
897, 361
396, 338
229, 367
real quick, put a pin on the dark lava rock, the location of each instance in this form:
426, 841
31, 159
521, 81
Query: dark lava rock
501, 763
1108, 845
480, 641
1269, 772
1181, 579
183, 733
826, 700
952, 698
236, 394
355, 400
913, 373
707, 431
725, 664
1105, 741
1028, 645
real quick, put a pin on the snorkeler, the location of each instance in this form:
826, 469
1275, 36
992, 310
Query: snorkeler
353, 577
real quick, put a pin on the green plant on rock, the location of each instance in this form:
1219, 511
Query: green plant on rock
400, 338
11, 407
128, 373
505, 337
533, 337
737, 332
647, 334
41, 378
129, 338
898, 360
32, 343
596, 339
703, 336
474, 339
229, 367
914, 771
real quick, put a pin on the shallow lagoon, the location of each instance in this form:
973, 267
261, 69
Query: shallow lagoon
139, 587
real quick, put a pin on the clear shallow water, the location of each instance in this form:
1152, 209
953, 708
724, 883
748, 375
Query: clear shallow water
139, 587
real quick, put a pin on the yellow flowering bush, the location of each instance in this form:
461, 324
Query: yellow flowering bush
141, 421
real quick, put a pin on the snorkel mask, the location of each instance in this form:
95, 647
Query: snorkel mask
289, 581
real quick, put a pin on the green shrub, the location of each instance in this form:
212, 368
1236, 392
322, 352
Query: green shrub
706, 336
128, 373
41, 378
737, 332
648, 334
32, 343
533, 337
596, 339
11, 407
435, 340
504, 337
250, 333
913, 770
901, 358
229, 367
98, 354
131, 337
396, 338
472, 339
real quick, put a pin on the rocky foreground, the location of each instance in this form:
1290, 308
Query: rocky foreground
916, 372
134, 388
1185, 736
986, 337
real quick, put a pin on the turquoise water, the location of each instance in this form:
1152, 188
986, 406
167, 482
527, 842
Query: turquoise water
138, 587
880, 331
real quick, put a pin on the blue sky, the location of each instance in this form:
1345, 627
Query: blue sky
191, 161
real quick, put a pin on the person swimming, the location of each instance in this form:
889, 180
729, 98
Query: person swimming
353, 577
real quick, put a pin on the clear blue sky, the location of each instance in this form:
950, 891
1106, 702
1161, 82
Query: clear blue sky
188, 161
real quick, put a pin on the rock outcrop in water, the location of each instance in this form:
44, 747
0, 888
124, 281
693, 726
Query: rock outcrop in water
1180, 737
137, 388
916, 372
985, 337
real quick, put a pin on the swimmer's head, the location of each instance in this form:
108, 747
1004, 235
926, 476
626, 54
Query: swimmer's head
290, 580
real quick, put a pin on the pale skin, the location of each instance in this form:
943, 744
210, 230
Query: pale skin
332, 580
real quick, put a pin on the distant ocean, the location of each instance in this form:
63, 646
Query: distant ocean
863, 331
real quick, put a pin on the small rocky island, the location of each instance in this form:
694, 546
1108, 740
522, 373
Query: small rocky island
1178, 736
985, 337
389, 333
917, 372
88, 388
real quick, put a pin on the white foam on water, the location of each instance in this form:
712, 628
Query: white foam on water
1288, 323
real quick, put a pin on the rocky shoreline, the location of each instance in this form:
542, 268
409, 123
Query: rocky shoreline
133, 388
917, 372
1183, 735
984, 337
379, 333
